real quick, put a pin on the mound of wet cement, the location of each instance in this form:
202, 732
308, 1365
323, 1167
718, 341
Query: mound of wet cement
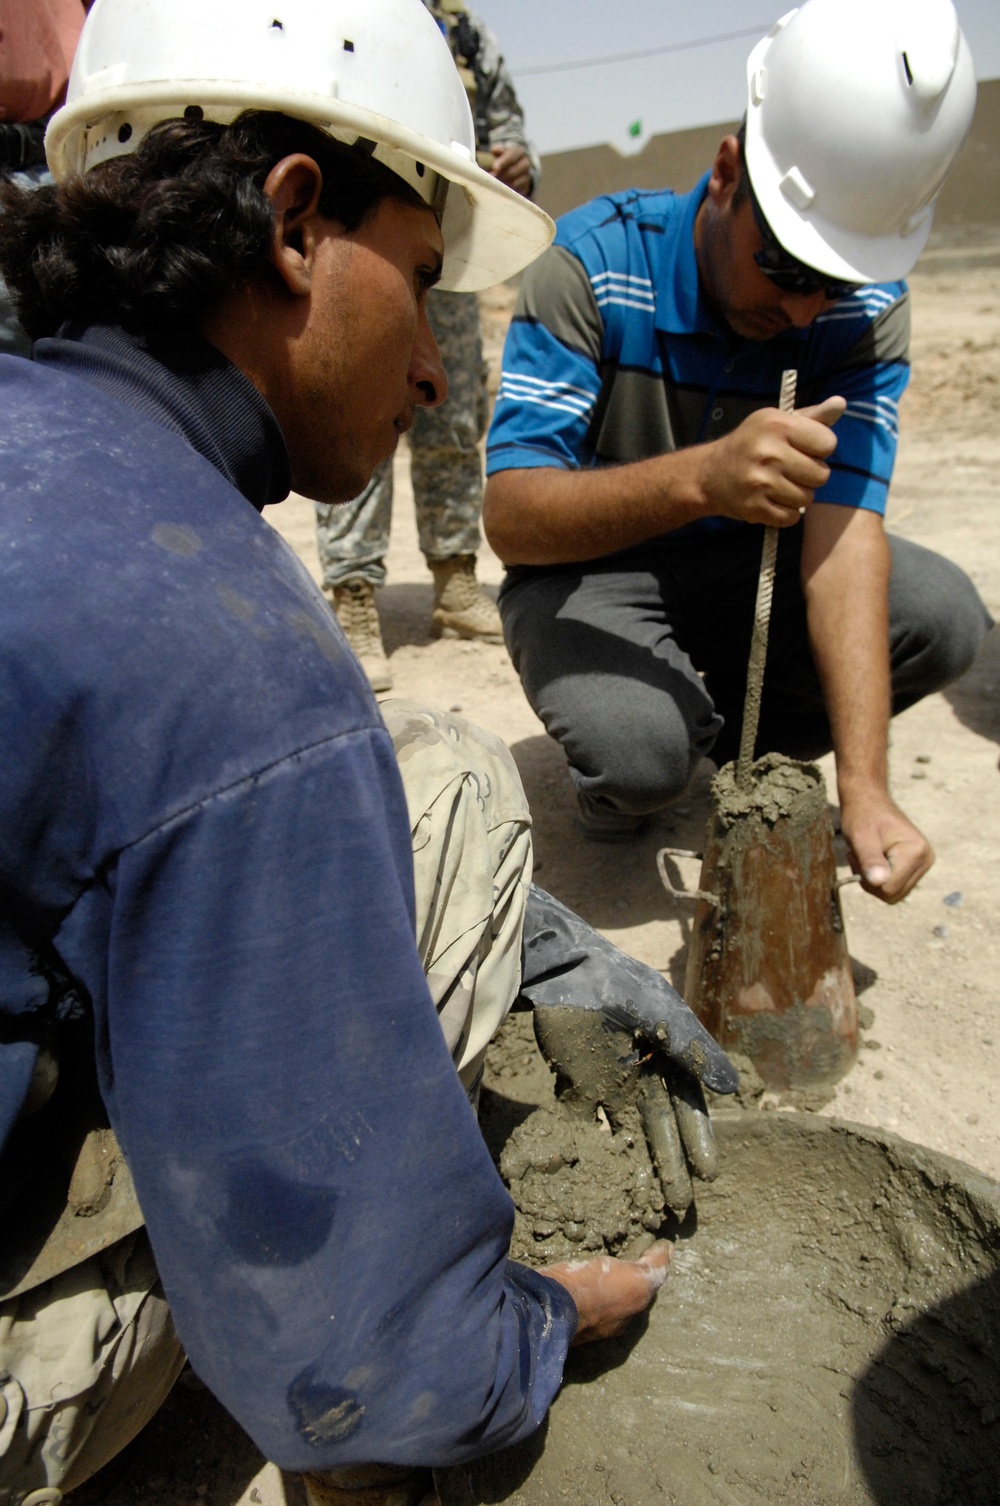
829, 1336
578, 1189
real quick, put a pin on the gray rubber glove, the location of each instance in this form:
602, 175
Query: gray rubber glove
616, 1033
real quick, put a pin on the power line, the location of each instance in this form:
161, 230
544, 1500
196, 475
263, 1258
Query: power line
647, 52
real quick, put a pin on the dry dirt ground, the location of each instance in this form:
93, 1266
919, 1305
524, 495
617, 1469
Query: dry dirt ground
926, 969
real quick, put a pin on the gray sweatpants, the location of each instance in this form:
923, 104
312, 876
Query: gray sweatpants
637, 664
88, 1357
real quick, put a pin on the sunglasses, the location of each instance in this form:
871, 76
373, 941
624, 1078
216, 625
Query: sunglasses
786, 271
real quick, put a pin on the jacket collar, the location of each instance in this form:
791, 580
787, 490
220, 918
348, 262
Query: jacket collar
190, 388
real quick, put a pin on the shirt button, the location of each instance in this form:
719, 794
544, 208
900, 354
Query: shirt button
717, 413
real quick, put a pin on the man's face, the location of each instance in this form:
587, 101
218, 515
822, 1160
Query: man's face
726, 241
365, 357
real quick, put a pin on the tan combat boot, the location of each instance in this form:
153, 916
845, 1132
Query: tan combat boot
461, 607
354, 604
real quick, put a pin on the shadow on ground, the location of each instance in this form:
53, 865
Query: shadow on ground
611, 884
191, 1451
926, 1409
405, 614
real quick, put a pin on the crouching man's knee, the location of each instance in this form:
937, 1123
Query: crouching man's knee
643, 758
938, 622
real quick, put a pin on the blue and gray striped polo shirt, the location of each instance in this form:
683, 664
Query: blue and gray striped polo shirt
615, 354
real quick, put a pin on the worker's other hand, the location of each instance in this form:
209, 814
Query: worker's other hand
768, 469
512, 165
609, 1293
617, 1034
886, 849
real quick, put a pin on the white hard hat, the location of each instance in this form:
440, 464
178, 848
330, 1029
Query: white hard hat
373, 69
857, 110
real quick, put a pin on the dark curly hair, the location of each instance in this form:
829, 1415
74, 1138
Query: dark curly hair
153, 240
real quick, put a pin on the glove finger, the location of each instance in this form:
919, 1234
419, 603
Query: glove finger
664, 1141
694, 1125
687, 1042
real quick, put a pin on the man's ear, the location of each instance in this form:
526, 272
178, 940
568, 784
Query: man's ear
293, 186
727, 170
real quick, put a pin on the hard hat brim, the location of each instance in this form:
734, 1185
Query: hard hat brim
490, 232
828, 249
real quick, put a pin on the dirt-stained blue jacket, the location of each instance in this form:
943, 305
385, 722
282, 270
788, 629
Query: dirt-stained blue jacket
202, 825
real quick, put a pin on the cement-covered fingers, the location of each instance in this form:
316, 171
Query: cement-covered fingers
662, 1133
602, 1063
617, 1034
609, 1293
694, 1125
767, 469
679, 1135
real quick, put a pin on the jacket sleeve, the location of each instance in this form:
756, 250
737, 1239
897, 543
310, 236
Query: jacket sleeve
330, 1231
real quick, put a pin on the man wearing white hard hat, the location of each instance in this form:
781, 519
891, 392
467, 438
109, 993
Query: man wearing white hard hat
637, 440
254, 939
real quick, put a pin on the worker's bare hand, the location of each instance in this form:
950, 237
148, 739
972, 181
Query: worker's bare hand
512, 165
886, 849
610, 1293
767, 470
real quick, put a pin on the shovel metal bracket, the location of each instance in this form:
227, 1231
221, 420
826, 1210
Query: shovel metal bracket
678, 894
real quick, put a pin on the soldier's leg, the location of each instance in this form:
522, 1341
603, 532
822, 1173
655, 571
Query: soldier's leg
353, 540
86, 1359
447, 473
353, 537
601, 664
446, 465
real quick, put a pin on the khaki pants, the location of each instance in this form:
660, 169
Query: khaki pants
87, 1358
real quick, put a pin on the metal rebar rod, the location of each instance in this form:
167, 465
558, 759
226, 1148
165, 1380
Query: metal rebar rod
761, 620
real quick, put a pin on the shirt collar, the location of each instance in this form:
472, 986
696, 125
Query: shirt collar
681, 305
191, 389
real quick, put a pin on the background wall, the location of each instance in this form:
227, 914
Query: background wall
968, 210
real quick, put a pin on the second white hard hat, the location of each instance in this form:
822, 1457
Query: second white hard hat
378, 70
856, 112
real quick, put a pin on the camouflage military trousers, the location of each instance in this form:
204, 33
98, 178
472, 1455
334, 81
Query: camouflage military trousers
445, 465
87, 1357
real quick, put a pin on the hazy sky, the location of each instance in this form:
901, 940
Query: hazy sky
666, 91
